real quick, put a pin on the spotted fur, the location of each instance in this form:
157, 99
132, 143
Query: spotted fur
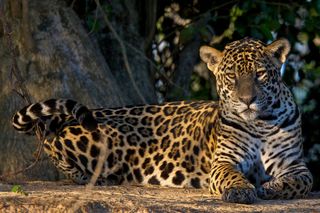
245, 146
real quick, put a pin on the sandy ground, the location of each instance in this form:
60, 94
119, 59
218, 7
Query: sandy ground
67, 197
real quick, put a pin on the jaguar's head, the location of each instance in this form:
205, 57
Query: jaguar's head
248, 76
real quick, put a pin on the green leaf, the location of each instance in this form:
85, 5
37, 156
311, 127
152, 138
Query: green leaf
273, 24
317, 5
313, 12
256, 33
187, 34
18, 189
205, 34
266, 31
235, 12
303, 37
93, 24
107, 9
289, 17
242, 31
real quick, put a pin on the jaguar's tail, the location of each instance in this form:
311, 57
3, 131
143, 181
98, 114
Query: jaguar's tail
27, 118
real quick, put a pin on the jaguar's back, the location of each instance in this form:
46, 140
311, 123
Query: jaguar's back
247, 144
153, 144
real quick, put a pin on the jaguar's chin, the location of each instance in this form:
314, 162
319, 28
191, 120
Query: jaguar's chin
249, 115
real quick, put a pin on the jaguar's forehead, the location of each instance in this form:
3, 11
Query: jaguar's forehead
246, 49
244, 54
246, 44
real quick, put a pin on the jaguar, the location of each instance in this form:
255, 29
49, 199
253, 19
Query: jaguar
246, 146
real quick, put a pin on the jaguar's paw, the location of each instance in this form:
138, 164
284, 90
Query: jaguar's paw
239, 195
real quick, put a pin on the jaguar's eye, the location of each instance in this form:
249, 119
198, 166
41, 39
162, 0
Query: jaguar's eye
231, 75
259, 73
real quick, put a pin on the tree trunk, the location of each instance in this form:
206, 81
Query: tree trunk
55, 57
188, 58
187, 61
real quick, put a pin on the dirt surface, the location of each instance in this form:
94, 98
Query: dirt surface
66, 197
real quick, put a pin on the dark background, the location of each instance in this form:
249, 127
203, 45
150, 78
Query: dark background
141, 51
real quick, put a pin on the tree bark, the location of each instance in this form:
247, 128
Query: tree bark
135, 32
56, 58
188, 58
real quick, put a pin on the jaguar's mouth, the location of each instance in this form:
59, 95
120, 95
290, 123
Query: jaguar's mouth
249, 114
248, 110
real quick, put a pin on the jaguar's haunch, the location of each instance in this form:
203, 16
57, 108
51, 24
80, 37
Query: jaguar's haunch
245, 146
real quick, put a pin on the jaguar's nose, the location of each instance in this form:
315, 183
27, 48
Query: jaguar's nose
246, 89
248, 99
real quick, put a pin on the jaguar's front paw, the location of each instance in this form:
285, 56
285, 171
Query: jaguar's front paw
284, 188
270, 190
239, 195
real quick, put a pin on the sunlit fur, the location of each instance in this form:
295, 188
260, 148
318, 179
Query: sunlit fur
243, 64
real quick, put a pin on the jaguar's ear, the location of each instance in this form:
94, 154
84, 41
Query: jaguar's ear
211, 57
279, 49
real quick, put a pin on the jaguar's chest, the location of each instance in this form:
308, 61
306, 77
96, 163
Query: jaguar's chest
267, 153
255, 170
251, 150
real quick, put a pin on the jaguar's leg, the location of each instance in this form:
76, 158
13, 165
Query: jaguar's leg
293, 182
231, 184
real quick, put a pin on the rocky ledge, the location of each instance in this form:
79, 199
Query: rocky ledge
67, 197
